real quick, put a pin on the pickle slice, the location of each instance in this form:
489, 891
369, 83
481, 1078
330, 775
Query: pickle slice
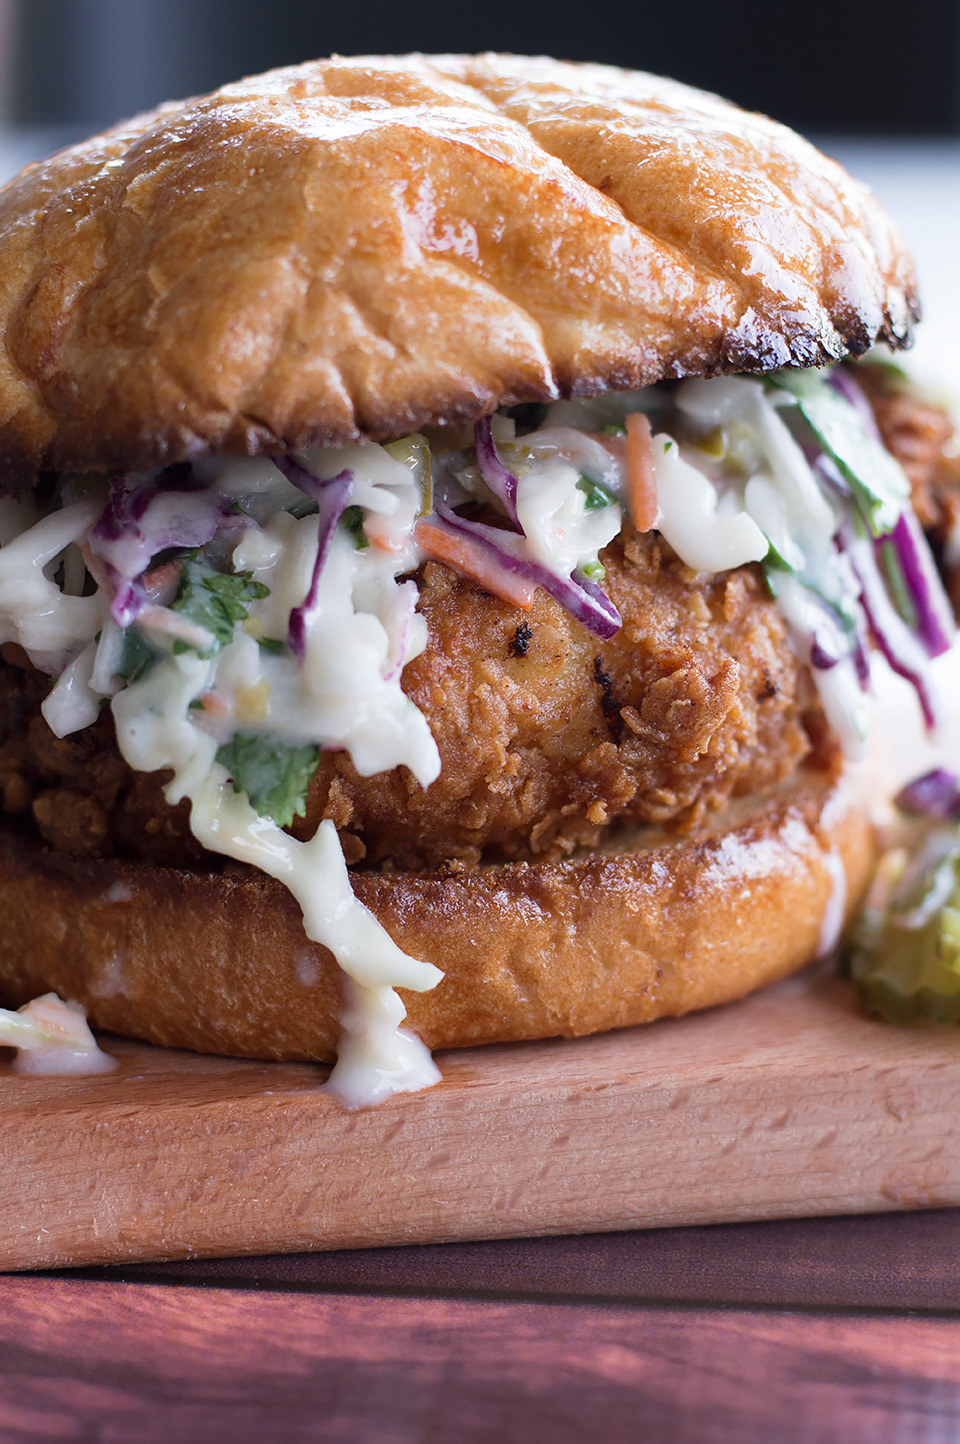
906, 951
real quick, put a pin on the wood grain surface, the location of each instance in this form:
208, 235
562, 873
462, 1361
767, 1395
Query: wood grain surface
108, 1362
886, 1261
789, 1104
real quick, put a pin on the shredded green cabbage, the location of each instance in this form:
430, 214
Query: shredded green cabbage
878, 481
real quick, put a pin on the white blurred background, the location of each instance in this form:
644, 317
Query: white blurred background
918, 182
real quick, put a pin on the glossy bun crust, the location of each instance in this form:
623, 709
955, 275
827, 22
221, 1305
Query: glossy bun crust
364, 246
218, 962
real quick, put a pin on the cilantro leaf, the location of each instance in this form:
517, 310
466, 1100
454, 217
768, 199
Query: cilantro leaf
272, 645
274, 775
352, 521
773, 561
137, 656
596, 494
216, 601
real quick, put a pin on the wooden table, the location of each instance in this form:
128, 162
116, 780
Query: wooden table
843, 1329
837, 1328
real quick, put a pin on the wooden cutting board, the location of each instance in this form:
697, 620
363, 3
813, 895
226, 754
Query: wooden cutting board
791, 1103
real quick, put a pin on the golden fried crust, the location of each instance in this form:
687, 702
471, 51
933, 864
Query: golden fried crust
545, 734
362, 246
220, 963
697, 699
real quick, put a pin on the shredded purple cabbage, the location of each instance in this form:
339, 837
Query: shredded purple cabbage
501, 482
934, 617
861, 662
332, 497
141, 521
605, 612
906, 649
315, 487
936, 794
582, 598
822, 657
902, 649
826, 470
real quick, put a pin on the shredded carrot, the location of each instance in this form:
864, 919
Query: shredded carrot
466, 556
214, 703
96, 568
379, 536
641, 477
162, 579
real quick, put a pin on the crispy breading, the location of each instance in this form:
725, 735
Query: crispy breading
698, 699
77, 791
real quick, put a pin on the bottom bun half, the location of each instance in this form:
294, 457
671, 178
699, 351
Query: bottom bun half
649, 927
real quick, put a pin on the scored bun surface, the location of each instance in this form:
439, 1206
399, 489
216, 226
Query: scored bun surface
359, 247
219, 962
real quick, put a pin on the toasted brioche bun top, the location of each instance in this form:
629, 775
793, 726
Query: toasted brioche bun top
359, 247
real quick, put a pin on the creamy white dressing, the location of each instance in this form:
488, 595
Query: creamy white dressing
52, 1037
73, 702
347, 692
816, 588
689, 516
834, 913
562, 533
901, 746
589, 455
155, 730
845, 704
375, 1056
47, 623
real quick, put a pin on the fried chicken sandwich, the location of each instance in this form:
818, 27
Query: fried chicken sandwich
445, 532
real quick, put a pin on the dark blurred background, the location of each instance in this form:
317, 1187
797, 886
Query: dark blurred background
826, 66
